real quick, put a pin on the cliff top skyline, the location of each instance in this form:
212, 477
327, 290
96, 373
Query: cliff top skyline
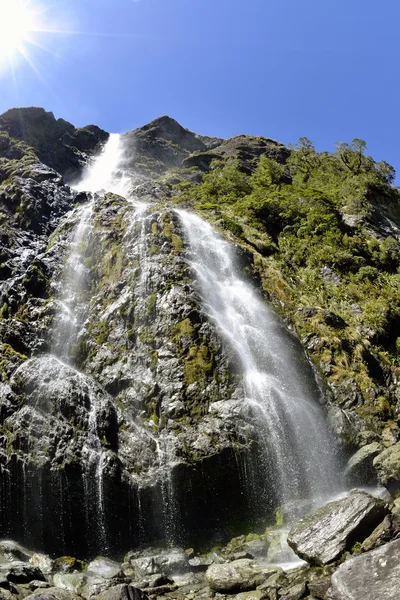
278, 69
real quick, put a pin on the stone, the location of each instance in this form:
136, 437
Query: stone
42, 561
374, 575
386, 531
72, 582
360, 468
19, 572
254, 595
53, 593
319, 587
325, 534
10, 550
122, 592
200, 563
387, 464
237, 576
104, 567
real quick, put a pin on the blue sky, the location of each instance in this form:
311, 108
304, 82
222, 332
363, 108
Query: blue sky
325, 69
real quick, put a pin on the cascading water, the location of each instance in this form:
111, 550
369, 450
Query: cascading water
102, 172
100, 175
296, 459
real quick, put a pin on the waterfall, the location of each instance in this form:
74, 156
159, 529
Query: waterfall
99, 176
102, 172
297, 457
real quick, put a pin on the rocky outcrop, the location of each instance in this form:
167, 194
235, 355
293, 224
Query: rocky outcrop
56, 142
322, 537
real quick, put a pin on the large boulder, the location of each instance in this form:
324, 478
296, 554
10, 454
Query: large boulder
360, 466
387, 464
371, 576
322, 537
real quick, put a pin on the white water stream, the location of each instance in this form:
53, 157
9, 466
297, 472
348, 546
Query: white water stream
297, 455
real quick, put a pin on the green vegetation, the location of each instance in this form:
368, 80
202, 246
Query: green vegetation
310, 226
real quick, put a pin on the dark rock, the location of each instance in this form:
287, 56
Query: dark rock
360, 466
323, 536
319, 587
19, 572
387, 464
334, 320
370, 576
386, 531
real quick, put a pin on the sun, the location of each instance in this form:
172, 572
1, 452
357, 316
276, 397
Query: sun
19, 20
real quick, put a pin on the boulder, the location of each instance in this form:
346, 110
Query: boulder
387, 464
360, 466
237, 576
19, 572
104, 567
386, 531
371, 576
322, 537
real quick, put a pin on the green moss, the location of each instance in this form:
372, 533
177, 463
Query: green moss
198, 364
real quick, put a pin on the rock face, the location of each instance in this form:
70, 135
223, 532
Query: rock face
387, 464
322, 537
373, 575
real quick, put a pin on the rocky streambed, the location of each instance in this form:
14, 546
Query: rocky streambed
351, 548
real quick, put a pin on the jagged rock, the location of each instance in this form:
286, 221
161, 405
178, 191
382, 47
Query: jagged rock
42, 561
167, 563
237, 576
386, 531
104, 567
19, 572
72, 582
360, 466
370, 576
319, 586
323, 536
68, 564
10, 550
122, 592
387, 464
200, 563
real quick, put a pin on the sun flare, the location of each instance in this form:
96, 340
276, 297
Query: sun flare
19, 20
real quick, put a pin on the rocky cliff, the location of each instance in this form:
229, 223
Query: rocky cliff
124, 414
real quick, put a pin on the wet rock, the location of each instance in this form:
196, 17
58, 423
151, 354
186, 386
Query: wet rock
122, 592
42, 561
387, 464
104, 567
19, 572
68, 564
36, 585
237, 576
319, 587
200, 563
370, 576
167, 563
386, 531
360, 466
323, 536
72, 582
10, 550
